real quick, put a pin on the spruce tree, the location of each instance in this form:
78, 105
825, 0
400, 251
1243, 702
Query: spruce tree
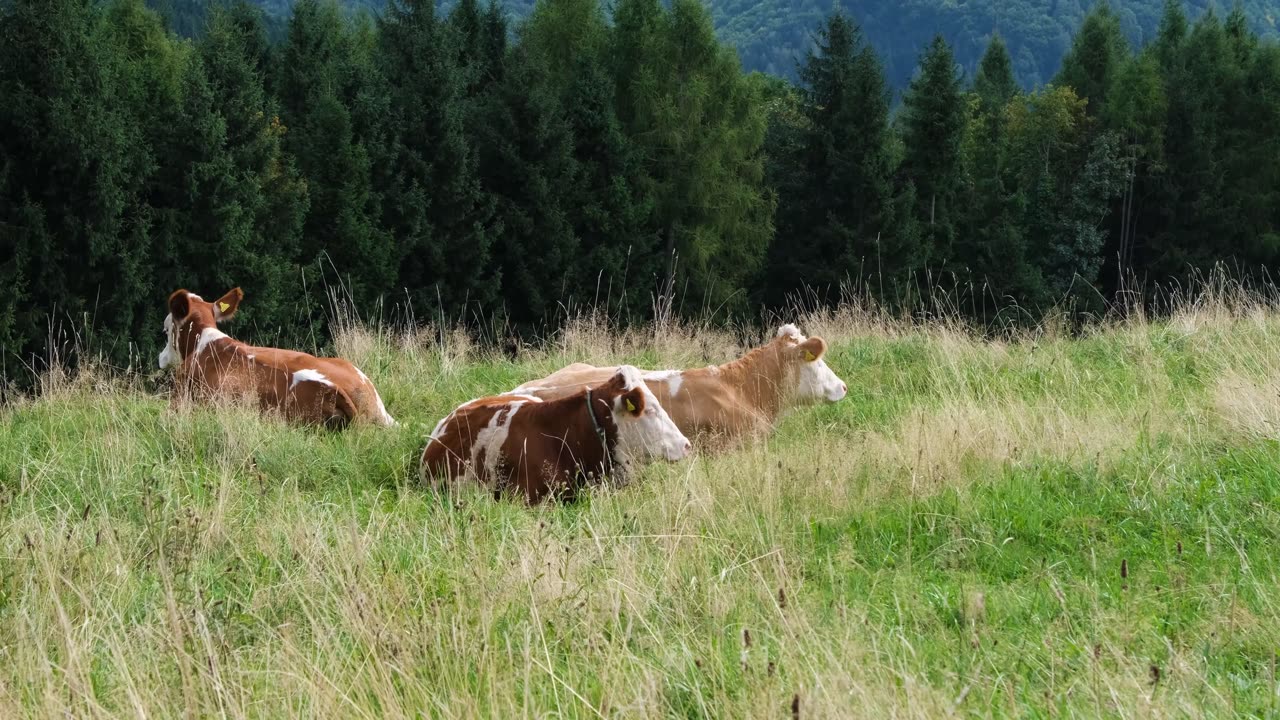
433, 203
526, 164
75, 167
994, 83
697, 123
836, 205
1097, 52
934, 119
244, 200
319, 80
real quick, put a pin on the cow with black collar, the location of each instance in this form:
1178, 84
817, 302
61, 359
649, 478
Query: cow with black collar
522, 445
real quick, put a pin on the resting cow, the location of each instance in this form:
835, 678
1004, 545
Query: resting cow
305, 388
737, 399
520, 444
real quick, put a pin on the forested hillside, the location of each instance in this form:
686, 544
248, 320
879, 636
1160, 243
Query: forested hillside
773, 35
432, 164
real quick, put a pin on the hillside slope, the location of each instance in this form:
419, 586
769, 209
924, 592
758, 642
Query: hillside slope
1001, 529
772, 34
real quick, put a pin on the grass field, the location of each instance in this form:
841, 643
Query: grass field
1043, 526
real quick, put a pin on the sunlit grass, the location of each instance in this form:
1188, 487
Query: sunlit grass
1036, 525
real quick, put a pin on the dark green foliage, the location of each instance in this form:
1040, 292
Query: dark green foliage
254, 201
323, 75
994, 83
934, 120
771, 35
433, 203
1095, 56
75, 165
833, 175
612, 159
526, 162
699, 131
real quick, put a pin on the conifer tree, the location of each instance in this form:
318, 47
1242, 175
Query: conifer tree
994, 83
836, 203
75, 166
934, 119
697, 123
1098, 50
433, 203
319, 80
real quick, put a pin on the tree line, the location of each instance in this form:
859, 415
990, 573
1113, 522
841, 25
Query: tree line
455, 165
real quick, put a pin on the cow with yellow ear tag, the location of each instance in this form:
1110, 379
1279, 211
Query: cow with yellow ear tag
302, 387
737, 399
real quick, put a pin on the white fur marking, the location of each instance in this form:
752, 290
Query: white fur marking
208, 335
168, 356
791, 331
649, 435
309, 375
673, 378
816, 383
385, 417
492, 438
631, 377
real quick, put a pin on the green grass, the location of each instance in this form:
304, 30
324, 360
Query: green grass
1041, 527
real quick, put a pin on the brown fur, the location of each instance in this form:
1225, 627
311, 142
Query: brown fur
229, 368
549, 448
736, 400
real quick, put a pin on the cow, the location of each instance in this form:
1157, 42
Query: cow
518, 444
729, 402
305, 389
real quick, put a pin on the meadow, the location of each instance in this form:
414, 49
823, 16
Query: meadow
1046, 524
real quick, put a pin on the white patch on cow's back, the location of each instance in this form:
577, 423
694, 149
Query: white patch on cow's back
673, 378
491, 438
207, 336
435, 434
309, 375
251, 356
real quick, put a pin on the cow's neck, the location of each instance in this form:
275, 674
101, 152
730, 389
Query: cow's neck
758, 375
192, 334
596, 452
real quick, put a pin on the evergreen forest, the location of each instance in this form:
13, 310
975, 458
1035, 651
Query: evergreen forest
425, 163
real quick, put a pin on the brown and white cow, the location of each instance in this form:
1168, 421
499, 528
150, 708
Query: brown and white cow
305, 388
738, 399
520, 444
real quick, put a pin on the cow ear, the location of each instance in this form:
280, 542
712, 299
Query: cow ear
179, 304
812, 349
226, 306
632, 401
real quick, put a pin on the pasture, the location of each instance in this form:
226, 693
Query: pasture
1045, 525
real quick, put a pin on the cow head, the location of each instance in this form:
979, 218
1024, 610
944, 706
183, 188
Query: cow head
644, 430
809, 380
192, 320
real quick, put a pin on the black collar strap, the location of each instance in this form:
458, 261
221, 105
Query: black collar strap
604, 443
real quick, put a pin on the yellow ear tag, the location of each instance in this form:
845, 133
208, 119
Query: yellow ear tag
631, 407
809, 356
224, 305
